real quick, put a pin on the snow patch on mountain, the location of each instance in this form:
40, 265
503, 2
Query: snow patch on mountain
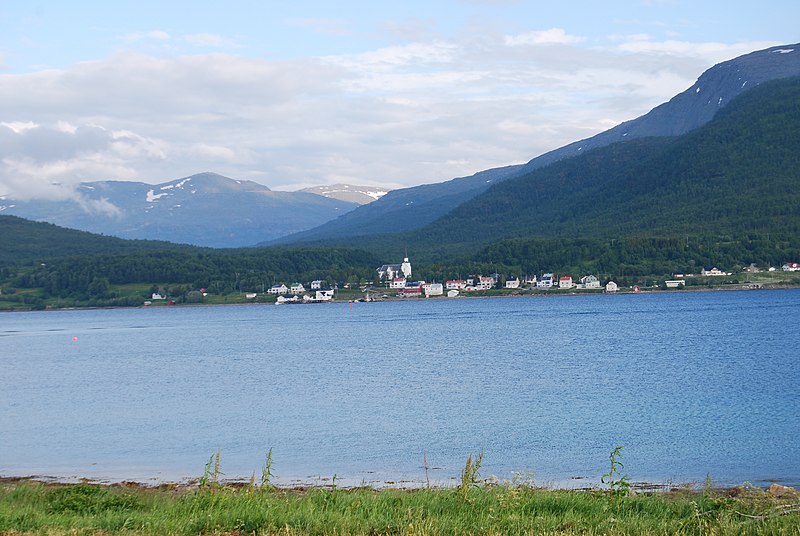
347, 192
178, 185
152, 196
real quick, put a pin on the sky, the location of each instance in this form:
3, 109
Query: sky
304, 93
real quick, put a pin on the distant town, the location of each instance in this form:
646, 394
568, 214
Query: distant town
395, 280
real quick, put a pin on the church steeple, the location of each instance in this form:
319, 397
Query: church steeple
406, 266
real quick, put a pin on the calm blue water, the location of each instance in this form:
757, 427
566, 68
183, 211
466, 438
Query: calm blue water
690, 383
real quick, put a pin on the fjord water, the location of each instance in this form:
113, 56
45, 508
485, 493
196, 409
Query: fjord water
690, 383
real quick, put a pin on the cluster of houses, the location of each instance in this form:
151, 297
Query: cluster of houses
547, 281
293, 293
398, 277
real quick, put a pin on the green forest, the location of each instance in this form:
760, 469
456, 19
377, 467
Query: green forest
127, 278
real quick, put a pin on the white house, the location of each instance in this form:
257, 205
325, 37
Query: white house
791, 267
452, 293
157, 296
486, 282
530, 280
588, 282
398, 282
316, 284
565, 281
323, 295
433, 289
297, 288
712, 272
611, 287
278, 289
546, 281
250, 295
512, 283
675, 283
455, 284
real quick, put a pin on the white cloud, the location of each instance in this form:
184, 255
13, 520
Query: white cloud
64, 126
717, 51
102, 206
18, 127
390, 58
48, 161
553, 36
129, 145
213, 152
422, 112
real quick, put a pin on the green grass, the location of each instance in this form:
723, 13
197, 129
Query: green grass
33, 508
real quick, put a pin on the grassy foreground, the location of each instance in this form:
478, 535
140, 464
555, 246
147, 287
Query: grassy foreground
35, 508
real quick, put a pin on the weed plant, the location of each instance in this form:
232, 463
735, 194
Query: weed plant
618, 486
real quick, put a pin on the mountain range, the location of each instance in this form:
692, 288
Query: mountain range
613, 183
724, 194
205, 209
414, 208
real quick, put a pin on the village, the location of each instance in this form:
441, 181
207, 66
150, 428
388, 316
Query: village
395, 280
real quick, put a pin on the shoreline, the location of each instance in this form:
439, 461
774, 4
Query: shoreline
320, 481
740, 287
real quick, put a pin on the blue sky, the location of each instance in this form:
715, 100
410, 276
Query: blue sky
301, 93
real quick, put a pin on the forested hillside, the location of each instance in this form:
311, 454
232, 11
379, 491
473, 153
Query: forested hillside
738, 174
23, 241
219, 270
629, 259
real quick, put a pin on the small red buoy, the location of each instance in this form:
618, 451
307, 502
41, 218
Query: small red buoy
74, 338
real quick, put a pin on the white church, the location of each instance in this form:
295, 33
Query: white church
391, 271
